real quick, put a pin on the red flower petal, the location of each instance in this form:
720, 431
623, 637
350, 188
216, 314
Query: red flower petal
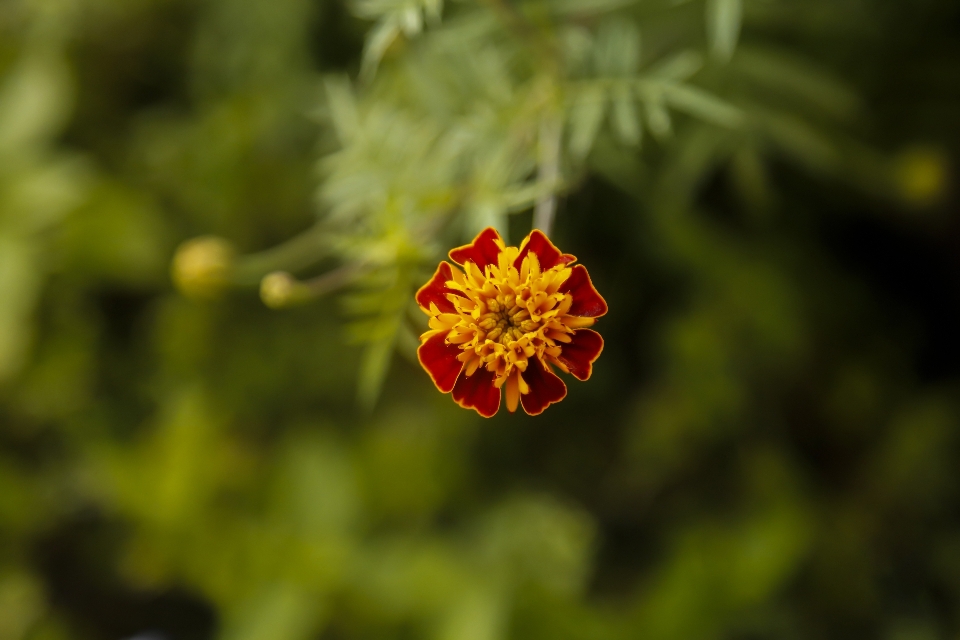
478, 392
586, 300
547, 253
435, 291
579, 354
545, 388
440, 361
482, 251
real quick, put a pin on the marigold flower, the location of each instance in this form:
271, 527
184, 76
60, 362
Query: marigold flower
505, 320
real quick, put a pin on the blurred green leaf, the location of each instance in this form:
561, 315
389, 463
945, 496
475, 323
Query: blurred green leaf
343, 108
35, 101
169, 479
658, 118
586, 117
116, 235
792, 78
589, 7
536, 538
477, 614
380, 38
797, 139
382, 307
703, 105
279, 611
680, 66
394, 17
723, 26
21, 605
617, 49
20, 284
624, 114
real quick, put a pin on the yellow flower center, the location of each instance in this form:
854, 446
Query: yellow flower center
506, 320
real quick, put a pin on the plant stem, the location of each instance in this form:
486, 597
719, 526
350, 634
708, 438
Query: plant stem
300, 251
335, 279
528, 34
548, 175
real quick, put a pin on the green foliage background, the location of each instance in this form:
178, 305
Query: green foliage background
761, 189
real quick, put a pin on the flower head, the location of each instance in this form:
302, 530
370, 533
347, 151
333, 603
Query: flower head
504, 319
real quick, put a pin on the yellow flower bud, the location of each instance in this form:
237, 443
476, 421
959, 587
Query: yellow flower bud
201, 267
922, 175
277, 289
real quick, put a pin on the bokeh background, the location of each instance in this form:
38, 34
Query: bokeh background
762, 190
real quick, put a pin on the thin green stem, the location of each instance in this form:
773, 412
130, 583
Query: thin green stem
299, 252
526, 32
551, 131
335, 279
